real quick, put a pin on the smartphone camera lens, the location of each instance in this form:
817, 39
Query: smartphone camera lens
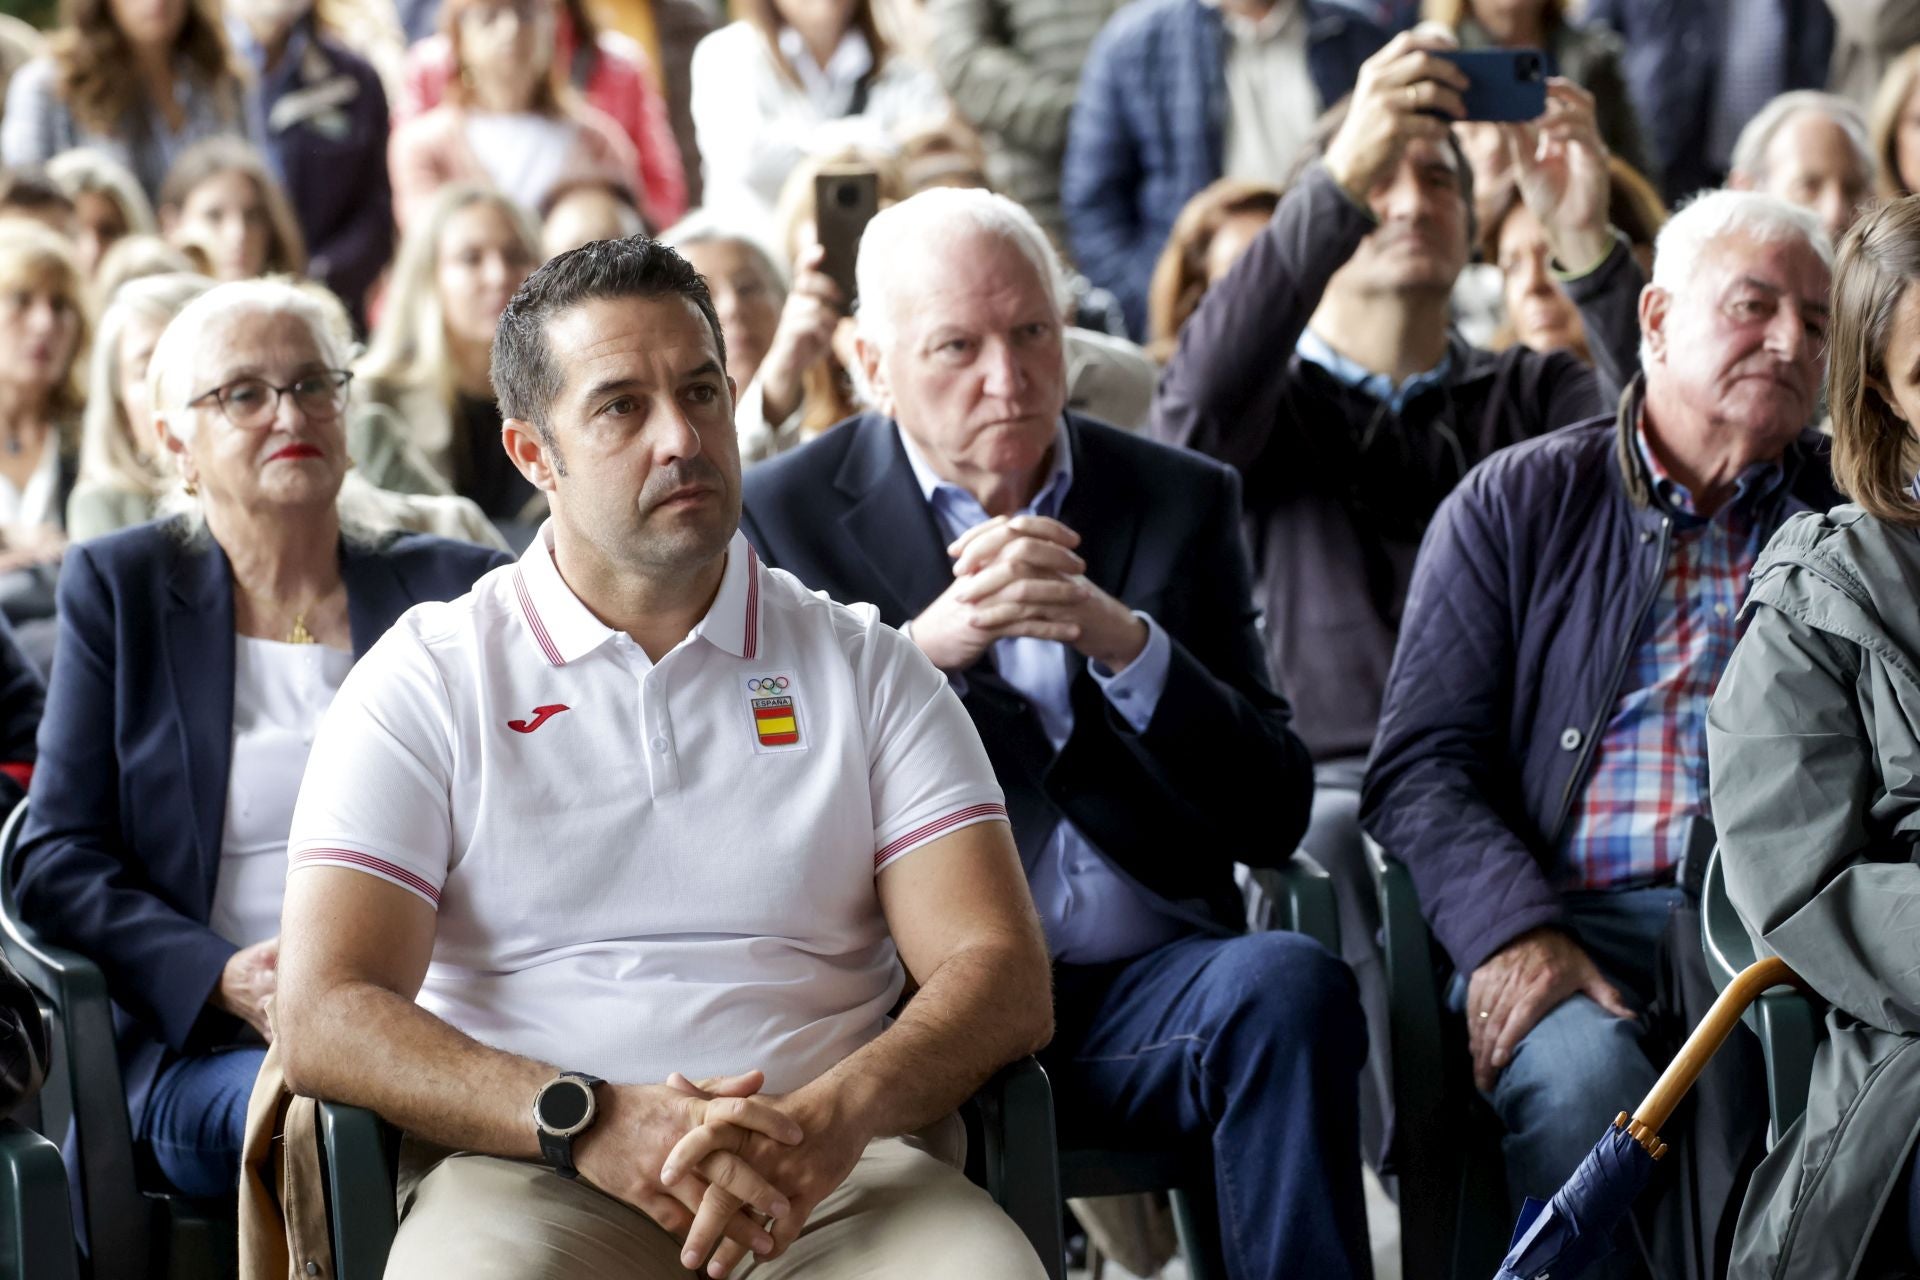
846, 196
1528, 66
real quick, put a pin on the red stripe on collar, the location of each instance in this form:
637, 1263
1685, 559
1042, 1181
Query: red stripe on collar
538, 627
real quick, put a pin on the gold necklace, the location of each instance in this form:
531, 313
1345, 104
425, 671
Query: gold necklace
298, 633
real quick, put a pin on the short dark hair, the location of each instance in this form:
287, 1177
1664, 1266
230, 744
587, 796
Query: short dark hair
526, 377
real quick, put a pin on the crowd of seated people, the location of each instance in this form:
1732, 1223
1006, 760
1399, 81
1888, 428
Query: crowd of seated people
486, 589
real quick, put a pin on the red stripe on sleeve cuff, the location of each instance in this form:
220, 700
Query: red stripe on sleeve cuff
939, 826
367, 862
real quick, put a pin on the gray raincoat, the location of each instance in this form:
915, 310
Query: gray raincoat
1814, 744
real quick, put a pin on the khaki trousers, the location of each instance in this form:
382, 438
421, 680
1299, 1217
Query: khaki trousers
901, 1212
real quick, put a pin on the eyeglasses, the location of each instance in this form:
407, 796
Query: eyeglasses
252, 403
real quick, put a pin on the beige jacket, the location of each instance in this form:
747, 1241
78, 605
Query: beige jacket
283, 1207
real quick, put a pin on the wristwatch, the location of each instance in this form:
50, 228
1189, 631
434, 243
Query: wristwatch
562, 1110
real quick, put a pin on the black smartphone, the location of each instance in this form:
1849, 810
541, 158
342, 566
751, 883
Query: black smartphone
1506, 85
844, 201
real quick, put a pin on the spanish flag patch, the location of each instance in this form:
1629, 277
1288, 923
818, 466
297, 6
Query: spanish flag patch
775, 722
774, 704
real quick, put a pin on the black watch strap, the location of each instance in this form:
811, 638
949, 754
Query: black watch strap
555, 1148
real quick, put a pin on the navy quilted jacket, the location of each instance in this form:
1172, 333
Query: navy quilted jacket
1527, 599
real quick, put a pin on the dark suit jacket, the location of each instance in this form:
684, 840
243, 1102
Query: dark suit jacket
1217, 778
122, 845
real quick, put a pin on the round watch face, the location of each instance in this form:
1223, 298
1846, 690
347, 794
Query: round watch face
564, 1104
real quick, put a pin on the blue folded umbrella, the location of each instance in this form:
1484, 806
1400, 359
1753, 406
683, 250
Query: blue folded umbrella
1569, 1233
1574, 1230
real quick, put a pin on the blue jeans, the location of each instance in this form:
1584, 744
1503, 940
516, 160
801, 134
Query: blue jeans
196, 1119
1580, 1066
1254, 1043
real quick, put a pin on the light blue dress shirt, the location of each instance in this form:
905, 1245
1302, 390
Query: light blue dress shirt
1092, 912
1314, 348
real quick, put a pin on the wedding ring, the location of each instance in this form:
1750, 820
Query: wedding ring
1486, 1013
1413, 100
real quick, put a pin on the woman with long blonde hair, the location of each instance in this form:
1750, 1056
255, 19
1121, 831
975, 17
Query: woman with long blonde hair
121, 479
43, 345
456, 271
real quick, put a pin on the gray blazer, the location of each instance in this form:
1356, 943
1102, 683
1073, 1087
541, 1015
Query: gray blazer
1814, 746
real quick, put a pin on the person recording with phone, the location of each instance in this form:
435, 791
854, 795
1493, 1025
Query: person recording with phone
1347, 444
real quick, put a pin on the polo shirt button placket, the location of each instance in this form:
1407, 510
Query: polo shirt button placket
663, 766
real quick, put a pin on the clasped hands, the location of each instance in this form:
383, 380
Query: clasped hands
724, 1168
1021, 576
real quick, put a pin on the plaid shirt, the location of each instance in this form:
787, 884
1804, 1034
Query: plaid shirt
1649, 775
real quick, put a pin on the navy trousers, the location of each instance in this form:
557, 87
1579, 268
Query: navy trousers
1255, 1043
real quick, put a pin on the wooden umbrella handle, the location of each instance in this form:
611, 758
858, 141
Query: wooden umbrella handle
1655, 1109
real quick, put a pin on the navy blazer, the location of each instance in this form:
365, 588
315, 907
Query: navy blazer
122, 843
1217, 778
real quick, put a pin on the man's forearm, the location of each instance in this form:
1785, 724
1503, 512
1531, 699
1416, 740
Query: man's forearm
983, 1008
363, 1045
1608, 297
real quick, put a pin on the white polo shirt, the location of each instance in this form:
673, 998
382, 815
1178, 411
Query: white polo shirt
645, 868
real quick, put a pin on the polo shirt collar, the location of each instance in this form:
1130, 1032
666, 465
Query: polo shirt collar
733, 619
565, 630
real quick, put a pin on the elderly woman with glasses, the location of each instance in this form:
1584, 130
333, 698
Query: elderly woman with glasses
197, 655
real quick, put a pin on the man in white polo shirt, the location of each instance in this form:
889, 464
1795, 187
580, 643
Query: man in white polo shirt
639, 809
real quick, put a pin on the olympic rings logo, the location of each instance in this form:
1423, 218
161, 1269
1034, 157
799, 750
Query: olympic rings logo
767, 684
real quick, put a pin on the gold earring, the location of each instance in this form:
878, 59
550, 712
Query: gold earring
193, 490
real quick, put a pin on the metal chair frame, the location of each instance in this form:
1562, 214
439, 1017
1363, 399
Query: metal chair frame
1788, 1023
130, 1231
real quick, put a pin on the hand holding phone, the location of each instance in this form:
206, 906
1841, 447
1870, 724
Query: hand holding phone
1507, 86
1406, 92
845, 198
